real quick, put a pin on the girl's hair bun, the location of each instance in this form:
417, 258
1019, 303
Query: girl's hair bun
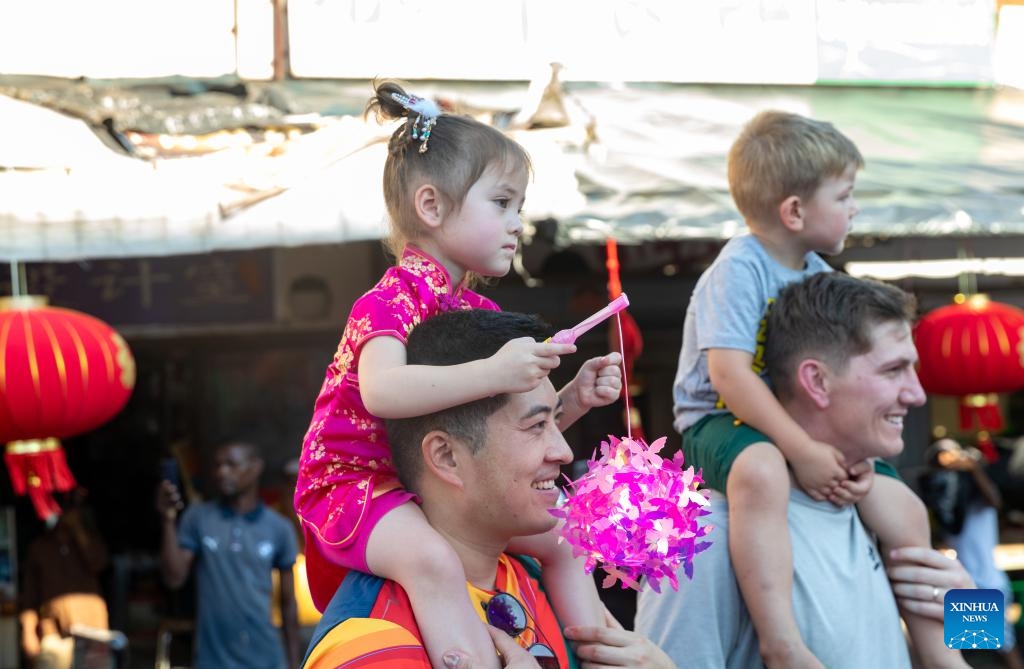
383, 104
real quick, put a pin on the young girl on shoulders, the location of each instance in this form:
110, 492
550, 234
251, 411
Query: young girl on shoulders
454, 189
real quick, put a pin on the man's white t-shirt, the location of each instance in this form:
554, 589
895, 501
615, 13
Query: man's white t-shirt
842, 598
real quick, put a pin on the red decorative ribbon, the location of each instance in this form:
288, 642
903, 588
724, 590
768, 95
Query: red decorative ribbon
631, 342
981, 412
38, 468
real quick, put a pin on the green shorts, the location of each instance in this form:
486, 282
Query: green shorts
715, 441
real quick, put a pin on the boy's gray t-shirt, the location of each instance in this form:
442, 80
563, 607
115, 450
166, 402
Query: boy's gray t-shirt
842, 598
727, 310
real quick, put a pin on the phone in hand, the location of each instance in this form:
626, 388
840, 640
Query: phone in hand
169, 471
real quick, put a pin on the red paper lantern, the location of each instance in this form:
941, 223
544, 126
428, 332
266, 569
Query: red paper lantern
62, 373
973, 349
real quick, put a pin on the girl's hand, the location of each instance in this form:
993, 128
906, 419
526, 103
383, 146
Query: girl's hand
613, 646
921, 576
853, 489
598, 383
523, 363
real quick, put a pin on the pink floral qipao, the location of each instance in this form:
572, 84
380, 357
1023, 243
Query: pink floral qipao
346, 480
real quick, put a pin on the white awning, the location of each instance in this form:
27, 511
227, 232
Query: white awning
650, 167
65, 195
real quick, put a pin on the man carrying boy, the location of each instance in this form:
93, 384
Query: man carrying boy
841, 356
792, 178
485, 472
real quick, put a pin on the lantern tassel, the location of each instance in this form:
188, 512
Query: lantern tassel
980, 411
38, 468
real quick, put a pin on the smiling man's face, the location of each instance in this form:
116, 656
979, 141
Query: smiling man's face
869, 400
515, 474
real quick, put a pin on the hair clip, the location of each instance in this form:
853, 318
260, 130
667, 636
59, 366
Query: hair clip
427, 112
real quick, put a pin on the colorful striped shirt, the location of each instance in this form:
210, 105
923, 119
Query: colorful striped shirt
369, 622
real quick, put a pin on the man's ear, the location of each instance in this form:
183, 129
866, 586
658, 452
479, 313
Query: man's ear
813, 377
440, 457
430, 205
791, 213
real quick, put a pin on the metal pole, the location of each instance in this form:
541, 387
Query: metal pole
234, 32
15, 279
282, 63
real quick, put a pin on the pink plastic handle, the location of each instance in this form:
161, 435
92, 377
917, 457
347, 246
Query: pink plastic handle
569, 336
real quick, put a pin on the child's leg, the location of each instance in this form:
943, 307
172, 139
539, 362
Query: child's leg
899, 518
762, 554
571, 590
433, 577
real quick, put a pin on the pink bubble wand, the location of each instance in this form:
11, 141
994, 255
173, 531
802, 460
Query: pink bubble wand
569, 336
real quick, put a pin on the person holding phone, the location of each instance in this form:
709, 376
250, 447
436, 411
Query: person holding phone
236, 543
